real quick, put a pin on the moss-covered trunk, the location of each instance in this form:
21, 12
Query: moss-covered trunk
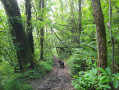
29, 24
20, 40
41, 7
80, 18
101, 34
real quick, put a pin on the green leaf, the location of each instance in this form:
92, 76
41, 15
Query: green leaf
76, 85
115, 83
104, 79
75, 76
107, 86
108, 71
102, 70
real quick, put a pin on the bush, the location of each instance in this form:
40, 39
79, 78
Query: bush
45, 66
13, 84
64, 54
85, 80
81, 60
42, 69
89, 80
5, 68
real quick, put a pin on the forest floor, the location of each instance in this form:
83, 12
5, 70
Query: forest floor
57, 79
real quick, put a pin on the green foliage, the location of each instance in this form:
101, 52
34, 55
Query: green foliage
106, 78
85, 80
5, 68
81, 60
45, 66
89, 80
13, 84
7, 50
31, 74
64, 53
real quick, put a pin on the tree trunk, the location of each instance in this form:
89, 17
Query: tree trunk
112, 41
101, 34
74, 27
29, 25
41, 30
41, 43
80, 17
20, 40
61, 9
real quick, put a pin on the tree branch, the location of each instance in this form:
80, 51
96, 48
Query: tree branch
59, 38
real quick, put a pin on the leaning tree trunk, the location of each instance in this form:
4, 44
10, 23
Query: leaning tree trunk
20, 40
29, 25
101, 34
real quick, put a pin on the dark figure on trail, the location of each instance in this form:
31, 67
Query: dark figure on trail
61, 64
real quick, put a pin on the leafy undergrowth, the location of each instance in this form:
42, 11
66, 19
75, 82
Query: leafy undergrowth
85, 72
89, 80
20, 81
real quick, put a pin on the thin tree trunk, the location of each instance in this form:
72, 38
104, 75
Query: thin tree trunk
36, 16
101, 34
110, 16
80, 18
20, 40
74, 29
61, 8
41, 43
42, 30
29, 24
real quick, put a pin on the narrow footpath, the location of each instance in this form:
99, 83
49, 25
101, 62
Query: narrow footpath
57, 79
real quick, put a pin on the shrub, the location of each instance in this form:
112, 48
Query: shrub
89, 80
85, 80
45, 66
12, 84
81, 60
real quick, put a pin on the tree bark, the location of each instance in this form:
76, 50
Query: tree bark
80, 18
29, 24
112, 41
101, 34
41, 7
74, 26
20, 40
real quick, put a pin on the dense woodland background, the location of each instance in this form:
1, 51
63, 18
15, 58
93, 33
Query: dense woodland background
84, 33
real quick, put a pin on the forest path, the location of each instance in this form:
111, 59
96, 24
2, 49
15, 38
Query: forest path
57, 79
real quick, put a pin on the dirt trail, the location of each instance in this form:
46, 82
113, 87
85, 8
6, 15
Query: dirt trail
57, 79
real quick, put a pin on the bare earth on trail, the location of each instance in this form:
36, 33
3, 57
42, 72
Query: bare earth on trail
57, 79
